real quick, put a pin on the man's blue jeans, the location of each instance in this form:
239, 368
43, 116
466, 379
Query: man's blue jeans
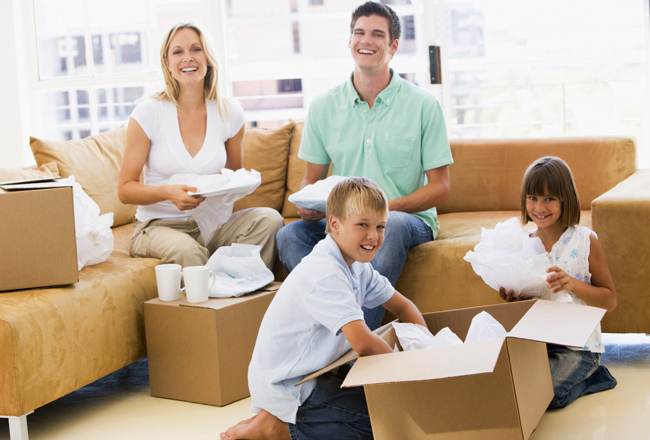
332, 412
403, 232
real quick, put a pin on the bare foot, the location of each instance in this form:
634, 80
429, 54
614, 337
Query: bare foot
263, 426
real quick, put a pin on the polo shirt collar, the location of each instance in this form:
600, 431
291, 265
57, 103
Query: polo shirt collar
386, 96
334, 249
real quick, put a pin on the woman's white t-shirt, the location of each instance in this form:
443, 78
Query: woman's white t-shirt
168, 155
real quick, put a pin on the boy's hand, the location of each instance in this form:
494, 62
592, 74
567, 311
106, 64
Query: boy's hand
404, 309
510, 296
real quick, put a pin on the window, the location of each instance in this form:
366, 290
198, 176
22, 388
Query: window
554, 68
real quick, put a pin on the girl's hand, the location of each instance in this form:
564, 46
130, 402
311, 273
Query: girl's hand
560, 280
177, 194
510, 296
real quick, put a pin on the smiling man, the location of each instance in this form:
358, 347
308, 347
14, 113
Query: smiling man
379, 126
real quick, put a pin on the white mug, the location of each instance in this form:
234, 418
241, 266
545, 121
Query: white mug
198, 282
168, 279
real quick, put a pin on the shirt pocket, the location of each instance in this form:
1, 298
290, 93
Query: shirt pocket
397, 151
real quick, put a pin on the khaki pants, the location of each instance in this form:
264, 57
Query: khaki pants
180, 241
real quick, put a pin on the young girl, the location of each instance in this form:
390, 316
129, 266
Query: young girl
578, 275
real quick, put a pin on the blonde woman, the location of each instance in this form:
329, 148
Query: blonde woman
189, 128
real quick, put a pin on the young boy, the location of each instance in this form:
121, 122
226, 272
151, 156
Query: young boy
316, 317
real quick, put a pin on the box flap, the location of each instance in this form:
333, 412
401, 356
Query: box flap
558, 323
221, 303
426, 364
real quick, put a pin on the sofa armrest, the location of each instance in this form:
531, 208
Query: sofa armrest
620, 218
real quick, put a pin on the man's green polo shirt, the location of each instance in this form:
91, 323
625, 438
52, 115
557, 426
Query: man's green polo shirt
393, 144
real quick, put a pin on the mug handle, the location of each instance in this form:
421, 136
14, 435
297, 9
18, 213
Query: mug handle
213, 279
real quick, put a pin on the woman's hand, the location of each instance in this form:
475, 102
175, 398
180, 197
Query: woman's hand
510, 296
560, 280
177, 194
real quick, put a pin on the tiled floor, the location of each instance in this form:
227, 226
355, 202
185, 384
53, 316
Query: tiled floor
119, 407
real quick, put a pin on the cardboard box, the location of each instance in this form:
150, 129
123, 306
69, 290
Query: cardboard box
488, 390
200, 352
37, 233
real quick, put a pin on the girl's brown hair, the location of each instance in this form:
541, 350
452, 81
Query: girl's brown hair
550, 175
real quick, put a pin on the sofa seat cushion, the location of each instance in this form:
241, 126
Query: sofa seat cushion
57, 340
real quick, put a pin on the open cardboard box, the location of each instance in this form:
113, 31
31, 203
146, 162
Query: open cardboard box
37, 233
490, 390
199, 352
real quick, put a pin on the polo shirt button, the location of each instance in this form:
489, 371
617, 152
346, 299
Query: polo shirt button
369, 125
365, 110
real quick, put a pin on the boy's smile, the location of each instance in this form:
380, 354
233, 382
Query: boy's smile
359, 236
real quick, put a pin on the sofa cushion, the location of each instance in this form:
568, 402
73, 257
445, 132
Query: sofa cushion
266, 150
296, 172
46, 170
95, 163
486, 173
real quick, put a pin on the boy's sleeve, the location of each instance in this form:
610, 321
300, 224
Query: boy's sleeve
378, 288
332, 304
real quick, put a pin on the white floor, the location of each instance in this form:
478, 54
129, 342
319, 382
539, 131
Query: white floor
120, 407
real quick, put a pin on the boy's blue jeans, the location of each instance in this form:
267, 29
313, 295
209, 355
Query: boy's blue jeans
403, 232
332, 412
575, 374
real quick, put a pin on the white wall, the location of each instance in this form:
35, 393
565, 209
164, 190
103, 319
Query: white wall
14, 105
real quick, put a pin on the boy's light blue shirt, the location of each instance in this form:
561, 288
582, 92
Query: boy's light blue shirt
301, 330
393, 144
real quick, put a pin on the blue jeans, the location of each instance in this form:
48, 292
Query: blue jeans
575, 374
332, 412
403, 232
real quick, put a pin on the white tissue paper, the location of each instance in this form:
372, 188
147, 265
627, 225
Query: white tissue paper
508, 257
416, 337
484, 328
239, 269
315, 196
93, 231
227, 188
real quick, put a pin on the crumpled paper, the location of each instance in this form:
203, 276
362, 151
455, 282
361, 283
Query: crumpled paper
484, 328
508, 257
93, 231
239, 269
217, 209
416, 337
315, 196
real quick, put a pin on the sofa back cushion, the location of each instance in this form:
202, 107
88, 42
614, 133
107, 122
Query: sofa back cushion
295, 172
486, 174
95, 164
267, 150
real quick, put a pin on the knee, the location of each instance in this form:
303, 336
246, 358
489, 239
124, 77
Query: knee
270, 220
186, 252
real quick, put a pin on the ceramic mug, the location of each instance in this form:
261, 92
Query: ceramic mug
198, 282
168, 279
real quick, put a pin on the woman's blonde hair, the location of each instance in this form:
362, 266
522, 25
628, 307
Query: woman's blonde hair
355, 195
550, 175
211, 85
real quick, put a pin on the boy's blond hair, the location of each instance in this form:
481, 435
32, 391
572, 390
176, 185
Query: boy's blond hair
553, 176
355, 195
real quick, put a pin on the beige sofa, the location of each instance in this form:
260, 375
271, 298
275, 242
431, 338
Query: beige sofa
56, 340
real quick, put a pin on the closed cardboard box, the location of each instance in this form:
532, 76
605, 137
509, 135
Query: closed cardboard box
37, 236
495, 389
200, 352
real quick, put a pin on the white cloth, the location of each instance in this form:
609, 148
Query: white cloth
301, 330
571, 254
315, 196
229, 187
239, 269
508, 257
168, 155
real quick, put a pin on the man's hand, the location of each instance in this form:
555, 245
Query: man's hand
310, 215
